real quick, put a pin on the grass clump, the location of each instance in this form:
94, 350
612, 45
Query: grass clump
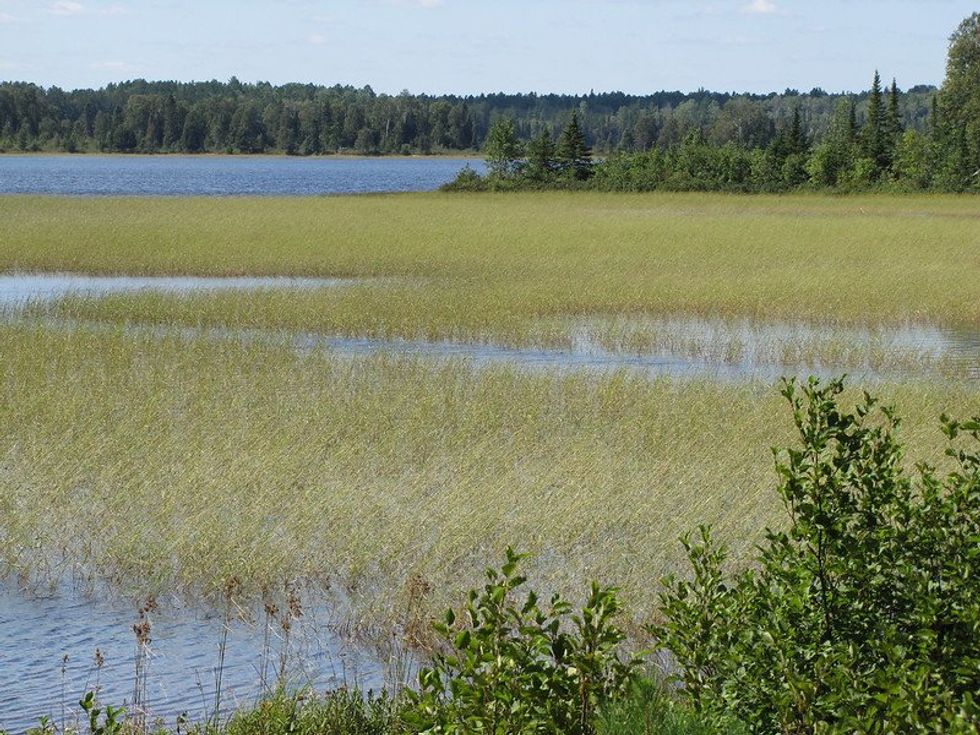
652, 709
340, 712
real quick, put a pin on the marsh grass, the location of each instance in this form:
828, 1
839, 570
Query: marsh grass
161, 463
173, 465
494, 265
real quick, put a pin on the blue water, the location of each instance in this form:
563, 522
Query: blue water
48, 645
94, 175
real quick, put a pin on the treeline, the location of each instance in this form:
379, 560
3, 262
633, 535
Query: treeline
877, 147
306, 119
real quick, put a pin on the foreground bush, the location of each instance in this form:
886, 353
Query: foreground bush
864, 616
521, 666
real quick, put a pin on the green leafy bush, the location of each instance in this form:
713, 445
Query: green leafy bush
863, 616
522, 667
466, 180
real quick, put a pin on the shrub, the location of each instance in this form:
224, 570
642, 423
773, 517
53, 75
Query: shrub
863, 616
466, 180
523, 667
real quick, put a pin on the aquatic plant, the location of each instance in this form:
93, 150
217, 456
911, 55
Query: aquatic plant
168, 465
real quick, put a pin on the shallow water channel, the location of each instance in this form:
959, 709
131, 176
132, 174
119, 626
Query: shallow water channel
686, 347
20, 289
48, 650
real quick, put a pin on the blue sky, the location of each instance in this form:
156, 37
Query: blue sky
472, 46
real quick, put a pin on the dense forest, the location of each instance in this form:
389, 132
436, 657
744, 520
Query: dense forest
305, 119
870, 143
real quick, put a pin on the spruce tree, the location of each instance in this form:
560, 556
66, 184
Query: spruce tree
502, 149
874, 144
573, 154
541, 156
798, 142
894, 117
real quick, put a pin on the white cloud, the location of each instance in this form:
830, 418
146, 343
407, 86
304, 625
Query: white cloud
760, 7
317, 39
71, 7
6, 18
67, 7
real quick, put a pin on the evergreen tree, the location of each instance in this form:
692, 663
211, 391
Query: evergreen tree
246, 129
893, 120
195, 131
799, 143
573, 155
289, 135
541, 157
874, 142
171, 123
502, 149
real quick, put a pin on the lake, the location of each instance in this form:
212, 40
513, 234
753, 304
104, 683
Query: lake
173, 175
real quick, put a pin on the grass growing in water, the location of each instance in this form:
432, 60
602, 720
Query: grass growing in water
173, 465
522, 268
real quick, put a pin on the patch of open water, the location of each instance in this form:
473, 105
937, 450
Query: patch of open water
684, 347
181, 175
47, 642
20, 289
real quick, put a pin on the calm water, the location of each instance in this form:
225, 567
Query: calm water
19, 289
92, 175
753, 360
37, 633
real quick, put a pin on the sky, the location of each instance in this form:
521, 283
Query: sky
474, 46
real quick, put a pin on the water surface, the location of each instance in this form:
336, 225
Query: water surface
176, 175
680, 347
20, 289
38, 632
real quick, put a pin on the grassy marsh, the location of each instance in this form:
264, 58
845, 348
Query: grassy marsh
495, 266
169, 464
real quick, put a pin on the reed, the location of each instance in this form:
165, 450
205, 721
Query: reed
521, 267
168, 465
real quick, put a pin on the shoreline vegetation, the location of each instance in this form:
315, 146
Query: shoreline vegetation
879, 153
863, 598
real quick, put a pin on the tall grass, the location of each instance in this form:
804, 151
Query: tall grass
172, 465
518, 267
